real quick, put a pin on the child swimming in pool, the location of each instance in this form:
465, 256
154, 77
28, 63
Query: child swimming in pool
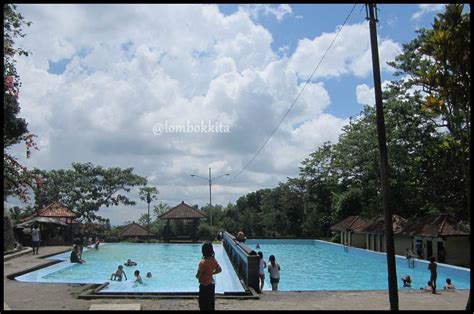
449, 285
138, 278
406, 281
148, 274
130, 263
429, 287
118, 274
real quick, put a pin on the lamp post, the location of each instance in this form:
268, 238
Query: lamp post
209, 180
148, 200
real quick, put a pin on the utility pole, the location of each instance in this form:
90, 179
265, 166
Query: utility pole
210, 196
382, 143
148, 200
209, 180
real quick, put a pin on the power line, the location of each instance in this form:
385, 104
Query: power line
297, 96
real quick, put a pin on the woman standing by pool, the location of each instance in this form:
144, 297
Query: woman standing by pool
274, 270
208, 266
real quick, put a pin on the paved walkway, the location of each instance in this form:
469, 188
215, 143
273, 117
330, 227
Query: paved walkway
28, 296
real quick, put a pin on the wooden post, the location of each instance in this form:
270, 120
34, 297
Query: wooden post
194, 229
168, 231
384, 173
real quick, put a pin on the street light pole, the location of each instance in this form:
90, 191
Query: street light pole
209, 180
148, 200
210, 197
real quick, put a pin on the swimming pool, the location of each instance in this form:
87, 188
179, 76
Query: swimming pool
310, 265
173, 268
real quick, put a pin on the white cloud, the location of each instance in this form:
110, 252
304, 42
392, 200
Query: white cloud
349, 54
279, 11
182, 63
366, 95
427, 8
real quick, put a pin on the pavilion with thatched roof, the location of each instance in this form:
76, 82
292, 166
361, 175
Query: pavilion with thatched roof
134, 230
182, 211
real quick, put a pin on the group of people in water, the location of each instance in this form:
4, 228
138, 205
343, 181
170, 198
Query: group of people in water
431, 285
120, 273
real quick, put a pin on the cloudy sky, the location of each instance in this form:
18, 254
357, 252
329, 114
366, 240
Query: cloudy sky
102, 79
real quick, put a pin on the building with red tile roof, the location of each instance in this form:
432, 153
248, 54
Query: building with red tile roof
348, 228
56, 222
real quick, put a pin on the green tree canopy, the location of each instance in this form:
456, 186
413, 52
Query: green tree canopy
439, 61
86, 188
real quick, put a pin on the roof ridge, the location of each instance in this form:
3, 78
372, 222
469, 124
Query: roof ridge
187, 206
440, 229
353, 221
42, 210
137, 224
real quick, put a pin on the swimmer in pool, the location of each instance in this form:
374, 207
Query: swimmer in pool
119, 273
130, 263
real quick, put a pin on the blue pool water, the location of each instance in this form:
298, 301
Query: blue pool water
308, 265
173, 268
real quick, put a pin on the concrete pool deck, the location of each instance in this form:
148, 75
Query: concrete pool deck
31, 296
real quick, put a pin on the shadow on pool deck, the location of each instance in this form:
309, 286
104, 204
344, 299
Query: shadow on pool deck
28, 296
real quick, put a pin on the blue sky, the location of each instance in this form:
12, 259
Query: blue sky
395, 21
102, 77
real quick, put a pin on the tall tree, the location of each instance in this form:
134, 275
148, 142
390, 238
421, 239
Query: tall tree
148, 194
86, 188
439, 60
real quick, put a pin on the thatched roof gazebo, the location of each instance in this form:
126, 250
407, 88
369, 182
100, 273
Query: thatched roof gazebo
182, 212
134, 230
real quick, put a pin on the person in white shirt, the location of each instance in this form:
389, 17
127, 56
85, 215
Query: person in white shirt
274, 270
35, 239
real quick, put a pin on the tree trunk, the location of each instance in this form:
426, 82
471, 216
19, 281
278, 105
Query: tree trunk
8, 236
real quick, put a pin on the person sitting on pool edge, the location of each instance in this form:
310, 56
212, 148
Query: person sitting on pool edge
138, 278
449, 285
241, 236
130, 263
75, 255
118, 274
406, 281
